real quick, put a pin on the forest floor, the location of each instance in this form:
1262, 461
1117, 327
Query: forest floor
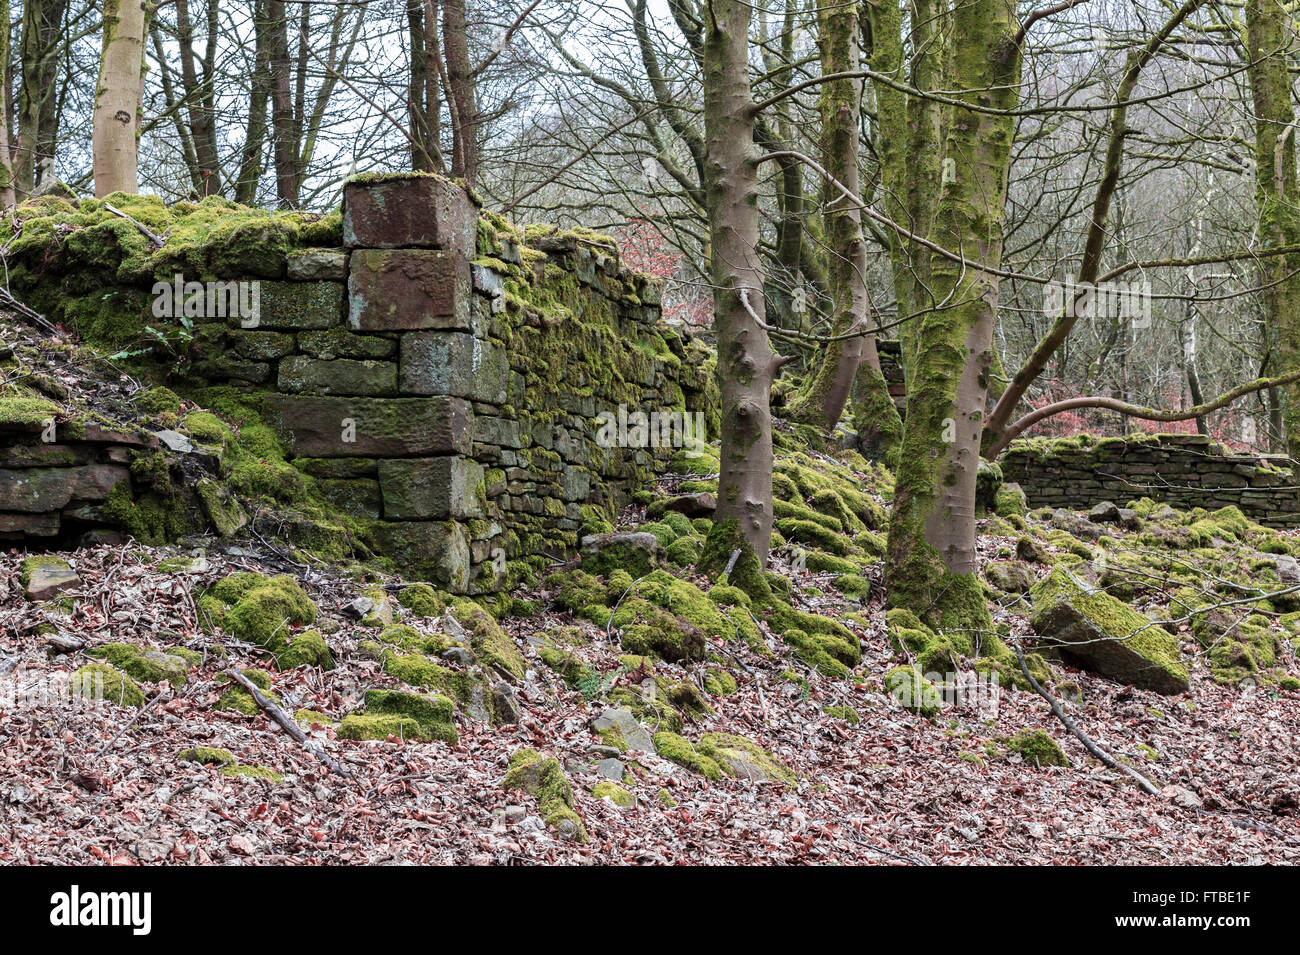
99, 783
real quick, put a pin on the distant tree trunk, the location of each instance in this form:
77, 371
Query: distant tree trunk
423, 95
282, 119
1268, 37
39, 48
6, 167
746, 363
200, 95
931, 562
850, 366
116, 130
460, 90
259, 95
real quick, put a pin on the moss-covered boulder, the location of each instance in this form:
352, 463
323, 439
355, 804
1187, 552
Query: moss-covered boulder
544, 778
1105, 635
101, 682
265, 612
1035, 747
637, 553
412, 716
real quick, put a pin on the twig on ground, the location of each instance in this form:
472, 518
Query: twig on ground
287, 724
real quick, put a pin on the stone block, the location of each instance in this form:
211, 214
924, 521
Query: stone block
320, 427
316, 265
437, 551
418, 210
431, 488
342, 376
453, 363
294, 306
406, 289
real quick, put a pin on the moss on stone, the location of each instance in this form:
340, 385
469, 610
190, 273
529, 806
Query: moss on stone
148, 666
679, 750
422, 600
1037, 748
543, 778
614, 793
207, 755
252, 772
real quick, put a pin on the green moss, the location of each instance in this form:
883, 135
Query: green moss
846, 713
492, 645
381, 726
719, 683
1037, 748
913, 691
746, 573
26, 411
309, 717
207, 755
422, 600
743, 758
148, 666
252, 772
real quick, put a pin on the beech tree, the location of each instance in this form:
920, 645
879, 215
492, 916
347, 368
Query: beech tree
747, 365
117, 98
931, 566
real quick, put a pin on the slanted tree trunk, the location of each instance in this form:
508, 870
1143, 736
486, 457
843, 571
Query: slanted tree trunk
1099, 233
849, 365
116, 129
931, 562
1268, 35
746, 363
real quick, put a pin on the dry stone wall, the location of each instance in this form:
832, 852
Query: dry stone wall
1183, 470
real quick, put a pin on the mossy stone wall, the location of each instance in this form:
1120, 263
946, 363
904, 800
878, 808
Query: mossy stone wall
437, 374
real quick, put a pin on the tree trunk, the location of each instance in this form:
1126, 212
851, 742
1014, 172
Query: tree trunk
931, 563
39, 48
282, 120
746, 362
423, 103
116, 132
1268, 35
6, 167
840, 106
460, 88
259, 95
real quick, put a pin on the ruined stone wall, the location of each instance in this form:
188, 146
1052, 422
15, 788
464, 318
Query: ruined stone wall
442, 377
1184, 470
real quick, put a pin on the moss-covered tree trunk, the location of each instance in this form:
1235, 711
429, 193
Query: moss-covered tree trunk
849, 365
116, 128
931, 561
746, 362
1269, 31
